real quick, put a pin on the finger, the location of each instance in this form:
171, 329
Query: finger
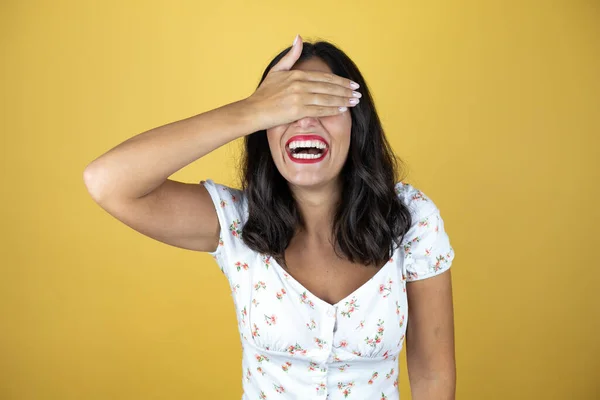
324, 111
326, 88
314, 99
288, 61
330, 78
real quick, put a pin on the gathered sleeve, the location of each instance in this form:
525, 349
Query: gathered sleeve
426, 245
232, 213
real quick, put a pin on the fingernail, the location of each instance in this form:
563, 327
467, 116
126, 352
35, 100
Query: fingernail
354, 85
295, 40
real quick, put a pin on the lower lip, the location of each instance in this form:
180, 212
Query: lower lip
307, 160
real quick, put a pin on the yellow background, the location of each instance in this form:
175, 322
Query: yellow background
492, 104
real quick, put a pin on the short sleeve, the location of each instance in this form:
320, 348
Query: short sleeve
231, 207
426, 245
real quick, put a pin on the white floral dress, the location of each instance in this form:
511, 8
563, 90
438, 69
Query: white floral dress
297, 346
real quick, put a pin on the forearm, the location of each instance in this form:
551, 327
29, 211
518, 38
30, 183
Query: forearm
140, 164
442, 388
431, 378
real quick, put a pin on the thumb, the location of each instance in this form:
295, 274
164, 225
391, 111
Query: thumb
288, 61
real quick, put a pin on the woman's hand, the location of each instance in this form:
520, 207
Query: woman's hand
287, 95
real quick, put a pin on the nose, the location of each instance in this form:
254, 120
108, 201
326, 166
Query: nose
306, 122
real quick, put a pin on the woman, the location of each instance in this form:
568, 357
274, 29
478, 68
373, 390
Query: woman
328, 256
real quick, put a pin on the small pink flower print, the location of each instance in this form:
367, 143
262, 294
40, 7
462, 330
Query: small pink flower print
343, 344
280, 294
424, 222
356, 353
413, 275
221, 243
255, 303
320, 342
312, 324
244, 313
400, 341
313, 366
292, 350
248, 374
419, 196
386, 355
351, 306
279, 389
383, 396
260, 285
255, 331
361, 325
385, 290
305, 300
321, 388
401, 322
377, 338
260, 371
261, 357
396, 382
439, 261
240, 265
343, 367
262, 395
345, 388
336, 358
266, 261
408, 245
235, 288
373, 377
234, 228
285, 367
233, 198
272, 320
390, 374
223, 203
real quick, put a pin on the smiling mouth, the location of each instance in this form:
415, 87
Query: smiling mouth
306, 148
306, 152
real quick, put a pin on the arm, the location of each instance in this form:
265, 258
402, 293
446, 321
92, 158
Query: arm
130, 181
430, 338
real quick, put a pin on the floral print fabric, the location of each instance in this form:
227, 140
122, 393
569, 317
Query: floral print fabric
297, 346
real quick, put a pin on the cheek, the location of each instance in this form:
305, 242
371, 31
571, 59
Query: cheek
274, 139
340, 128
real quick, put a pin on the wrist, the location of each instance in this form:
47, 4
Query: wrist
250, 114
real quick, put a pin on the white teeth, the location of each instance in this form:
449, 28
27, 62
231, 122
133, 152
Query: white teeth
317, 144
307, 156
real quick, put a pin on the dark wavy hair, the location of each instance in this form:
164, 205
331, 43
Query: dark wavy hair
370, 220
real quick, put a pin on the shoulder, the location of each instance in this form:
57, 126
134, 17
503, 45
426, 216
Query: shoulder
230, 200
419, 204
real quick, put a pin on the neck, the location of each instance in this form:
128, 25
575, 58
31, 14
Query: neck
317, 206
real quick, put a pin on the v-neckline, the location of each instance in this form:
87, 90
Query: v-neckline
320, 300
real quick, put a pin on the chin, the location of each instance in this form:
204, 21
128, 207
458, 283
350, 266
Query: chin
307, 179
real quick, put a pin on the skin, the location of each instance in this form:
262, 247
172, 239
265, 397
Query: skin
311, 260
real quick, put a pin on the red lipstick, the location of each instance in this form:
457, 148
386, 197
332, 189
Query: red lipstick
306, 138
